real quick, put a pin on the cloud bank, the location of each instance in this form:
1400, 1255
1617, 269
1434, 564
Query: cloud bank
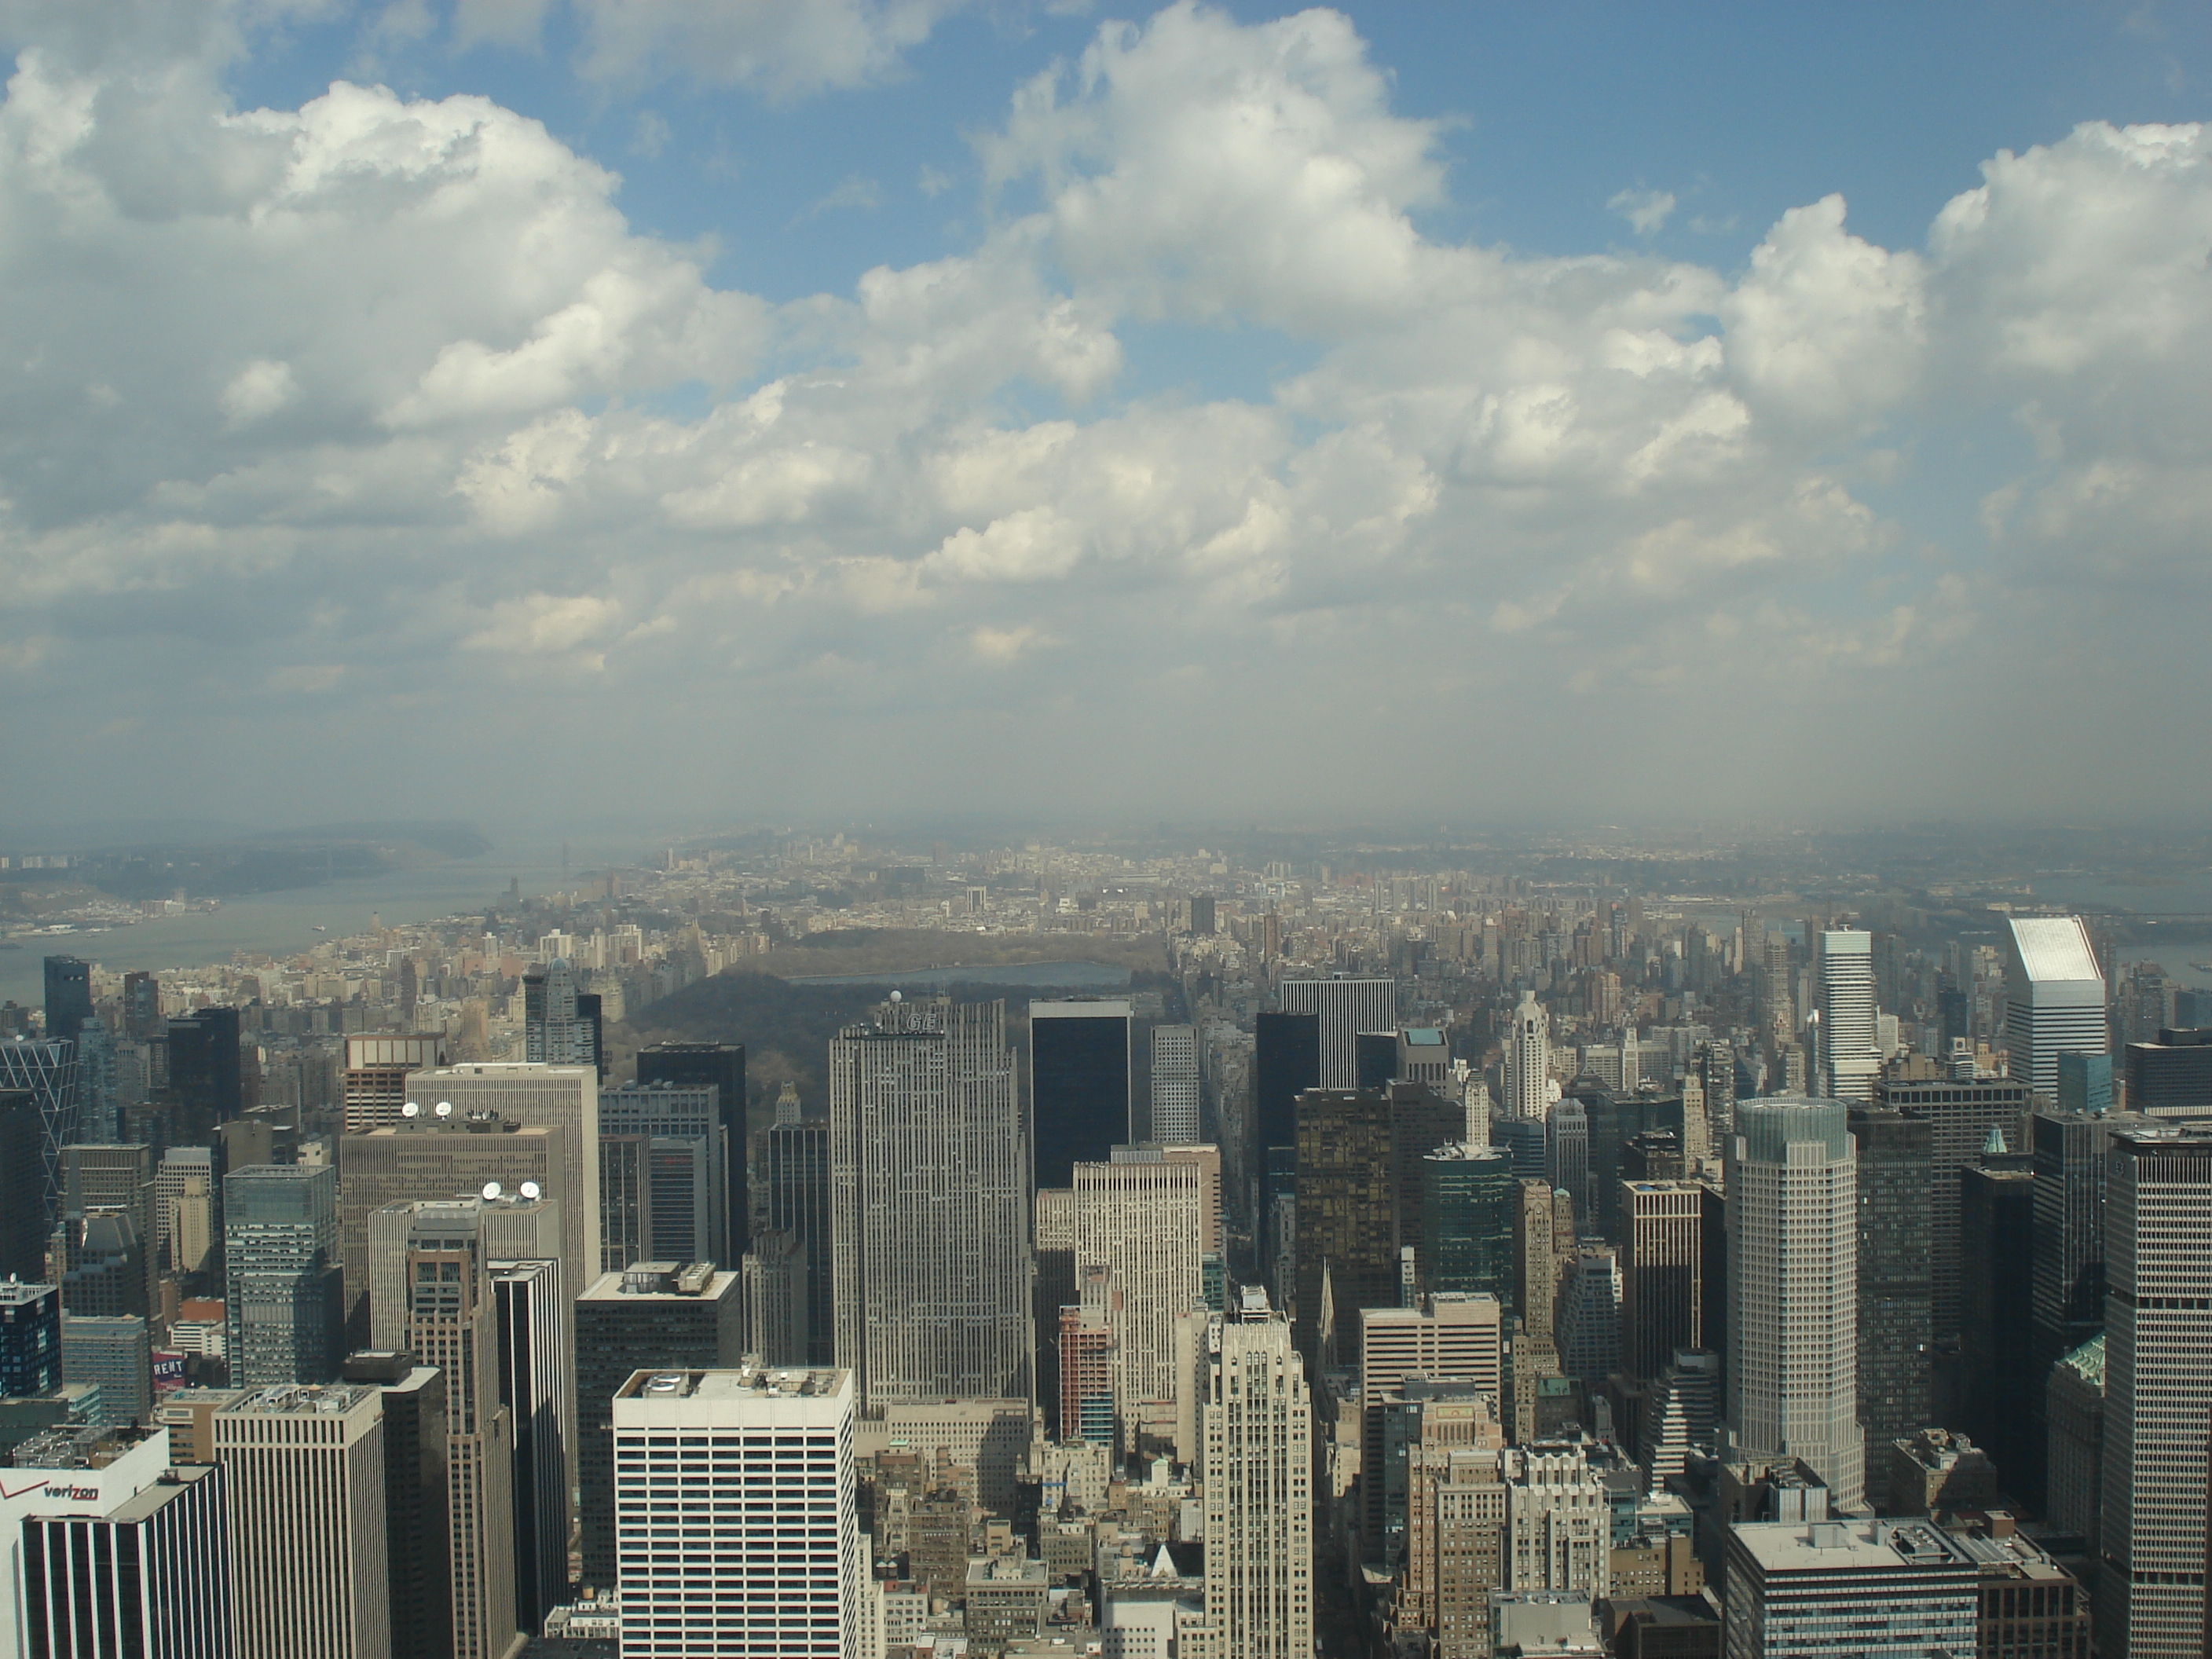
367, 439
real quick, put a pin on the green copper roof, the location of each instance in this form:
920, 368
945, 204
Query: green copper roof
2088, 1361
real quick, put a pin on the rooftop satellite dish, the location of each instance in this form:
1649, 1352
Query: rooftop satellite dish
491, 1190
531, 1189
410, 1110
898, 996
444, 1109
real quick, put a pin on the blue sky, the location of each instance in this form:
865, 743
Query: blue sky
1164, 397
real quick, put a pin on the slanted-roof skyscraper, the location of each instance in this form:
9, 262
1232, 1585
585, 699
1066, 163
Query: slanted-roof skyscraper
2054, 998
930, 1204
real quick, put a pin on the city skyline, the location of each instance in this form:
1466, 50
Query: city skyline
938, 367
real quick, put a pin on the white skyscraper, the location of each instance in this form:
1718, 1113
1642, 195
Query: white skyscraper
2054, 999
1258, 1437
1143, 1216
1175, 1085
1529, 1061
1346, 1006
1793, 1290
929, 1196
735, 1515
1850, 1059
2158, 1391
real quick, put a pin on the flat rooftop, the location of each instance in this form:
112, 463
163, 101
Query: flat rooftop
1849, 1546
746, 1382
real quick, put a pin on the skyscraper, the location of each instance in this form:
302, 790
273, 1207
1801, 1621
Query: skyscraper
1345, 1005
98, 1087
1175, 1085
2054, 998
1139, 1215
30, 1339
1529, 1061
1257, 1429
427, 1157
23, 1202
1895, 1287
446, 1316
417, 1526
798, 1179
1850, 1058
1661, 1292
1959, 1114
1468, 1196
2171, 1076
1805, 1589
47, 1072
930, 1201
115, 1356
1997, 1211
1793, 1290
1346, 1213
536, 1381
69, 997
681, 1173
373, 1087
721, 1065
555, 1032
1286, 1063
2149, 1604
1079, 1078
282, 1286
566, 1097
113, 1177
151, 1576
305, 1470
766, 1456
207, 1082
651, 1316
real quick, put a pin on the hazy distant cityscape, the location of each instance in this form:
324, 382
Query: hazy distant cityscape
1638, 1243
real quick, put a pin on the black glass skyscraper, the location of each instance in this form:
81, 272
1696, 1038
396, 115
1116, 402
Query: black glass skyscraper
722, 1065
1078, 1085
204, 1078
1286, 1063
69, 997
798, 1204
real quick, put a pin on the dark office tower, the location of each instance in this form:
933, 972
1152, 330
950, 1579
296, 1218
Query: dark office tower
1715, 1063
797, 1177
654, 1317
1079, 1087
1997, 1225
695, 1065
1654, 1155
22, 1186
30, 1339
2085, 1084
1347, 1215
554, 1031
1960, 1114
1662, 1274
1375, 1059
1286, 1063
102, 1261
1201, 915
676, 1183
47, 1072
2171, 1076
205, 1080
1894, 1282
533, 1374
281, 1289
141, 1007
417, 1540
1468, 1203
69, 997
2158, 1391
590, 1018
1423, 1120
1712, 1256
